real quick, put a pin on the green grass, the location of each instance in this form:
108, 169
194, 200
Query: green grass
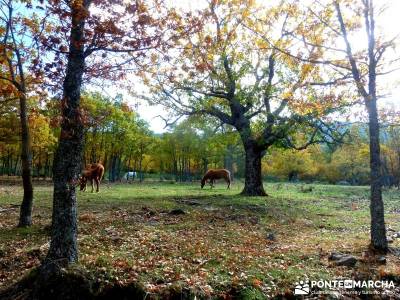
126, 234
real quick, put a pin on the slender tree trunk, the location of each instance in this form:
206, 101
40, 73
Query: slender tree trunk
46, 166
205, 164
180, 169
253, 185
118, 177
16, 166
378, 230
111, 173
3, 166
189, 170
140, 168
93, 151
112, 168
105, 161
228, 159
39, 165
25, 217
9, 157
68, 158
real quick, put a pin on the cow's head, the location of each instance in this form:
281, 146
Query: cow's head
203, 182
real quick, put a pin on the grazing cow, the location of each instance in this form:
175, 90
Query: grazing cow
93, 172
214, 174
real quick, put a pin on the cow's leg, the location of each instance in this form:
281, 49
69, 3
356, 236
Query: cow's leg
91, 180
97, 184
229, 183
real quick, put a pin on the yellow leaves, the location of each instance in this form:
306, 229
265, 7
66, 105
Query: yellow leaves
146, 80
48, 29
287, 163
287, 95
288, 60
317, 105
261, 44
210, 57
353, 24
316, 38
246, 13
306, 69
153, 57
42, 135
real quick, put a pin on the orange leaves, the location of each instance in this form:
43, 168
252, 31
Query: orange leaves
202, 66
109, 27
256, 282
7, 89
126, 29
208, 40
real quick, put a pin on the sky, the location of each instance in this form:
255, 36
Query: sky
388, 22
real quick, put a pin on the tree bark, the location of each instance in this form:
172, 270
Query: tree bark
25, 217
228, 159
140, 169
205, 164
9, 163
67, 161
112, 168
253, 185
93, 152
378, 230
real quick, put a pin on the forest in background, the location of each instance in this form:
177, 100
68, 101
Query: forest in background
116, 136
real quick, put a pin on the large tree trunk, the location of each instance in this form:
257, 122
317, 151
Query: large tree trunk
378, 231
25, 217
253, 185
68, 157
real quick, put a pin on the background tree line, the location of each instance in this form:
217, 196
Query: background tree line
116, 136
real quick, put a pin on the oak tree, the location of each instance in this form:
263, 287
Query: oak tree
227, 71
357, 63
17, 56
89, 40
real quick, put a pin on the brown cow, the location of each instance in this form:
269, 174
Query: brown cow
93, 172
214, 174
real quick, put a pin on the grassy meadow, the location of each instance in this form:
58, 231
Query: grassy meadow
223, 243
